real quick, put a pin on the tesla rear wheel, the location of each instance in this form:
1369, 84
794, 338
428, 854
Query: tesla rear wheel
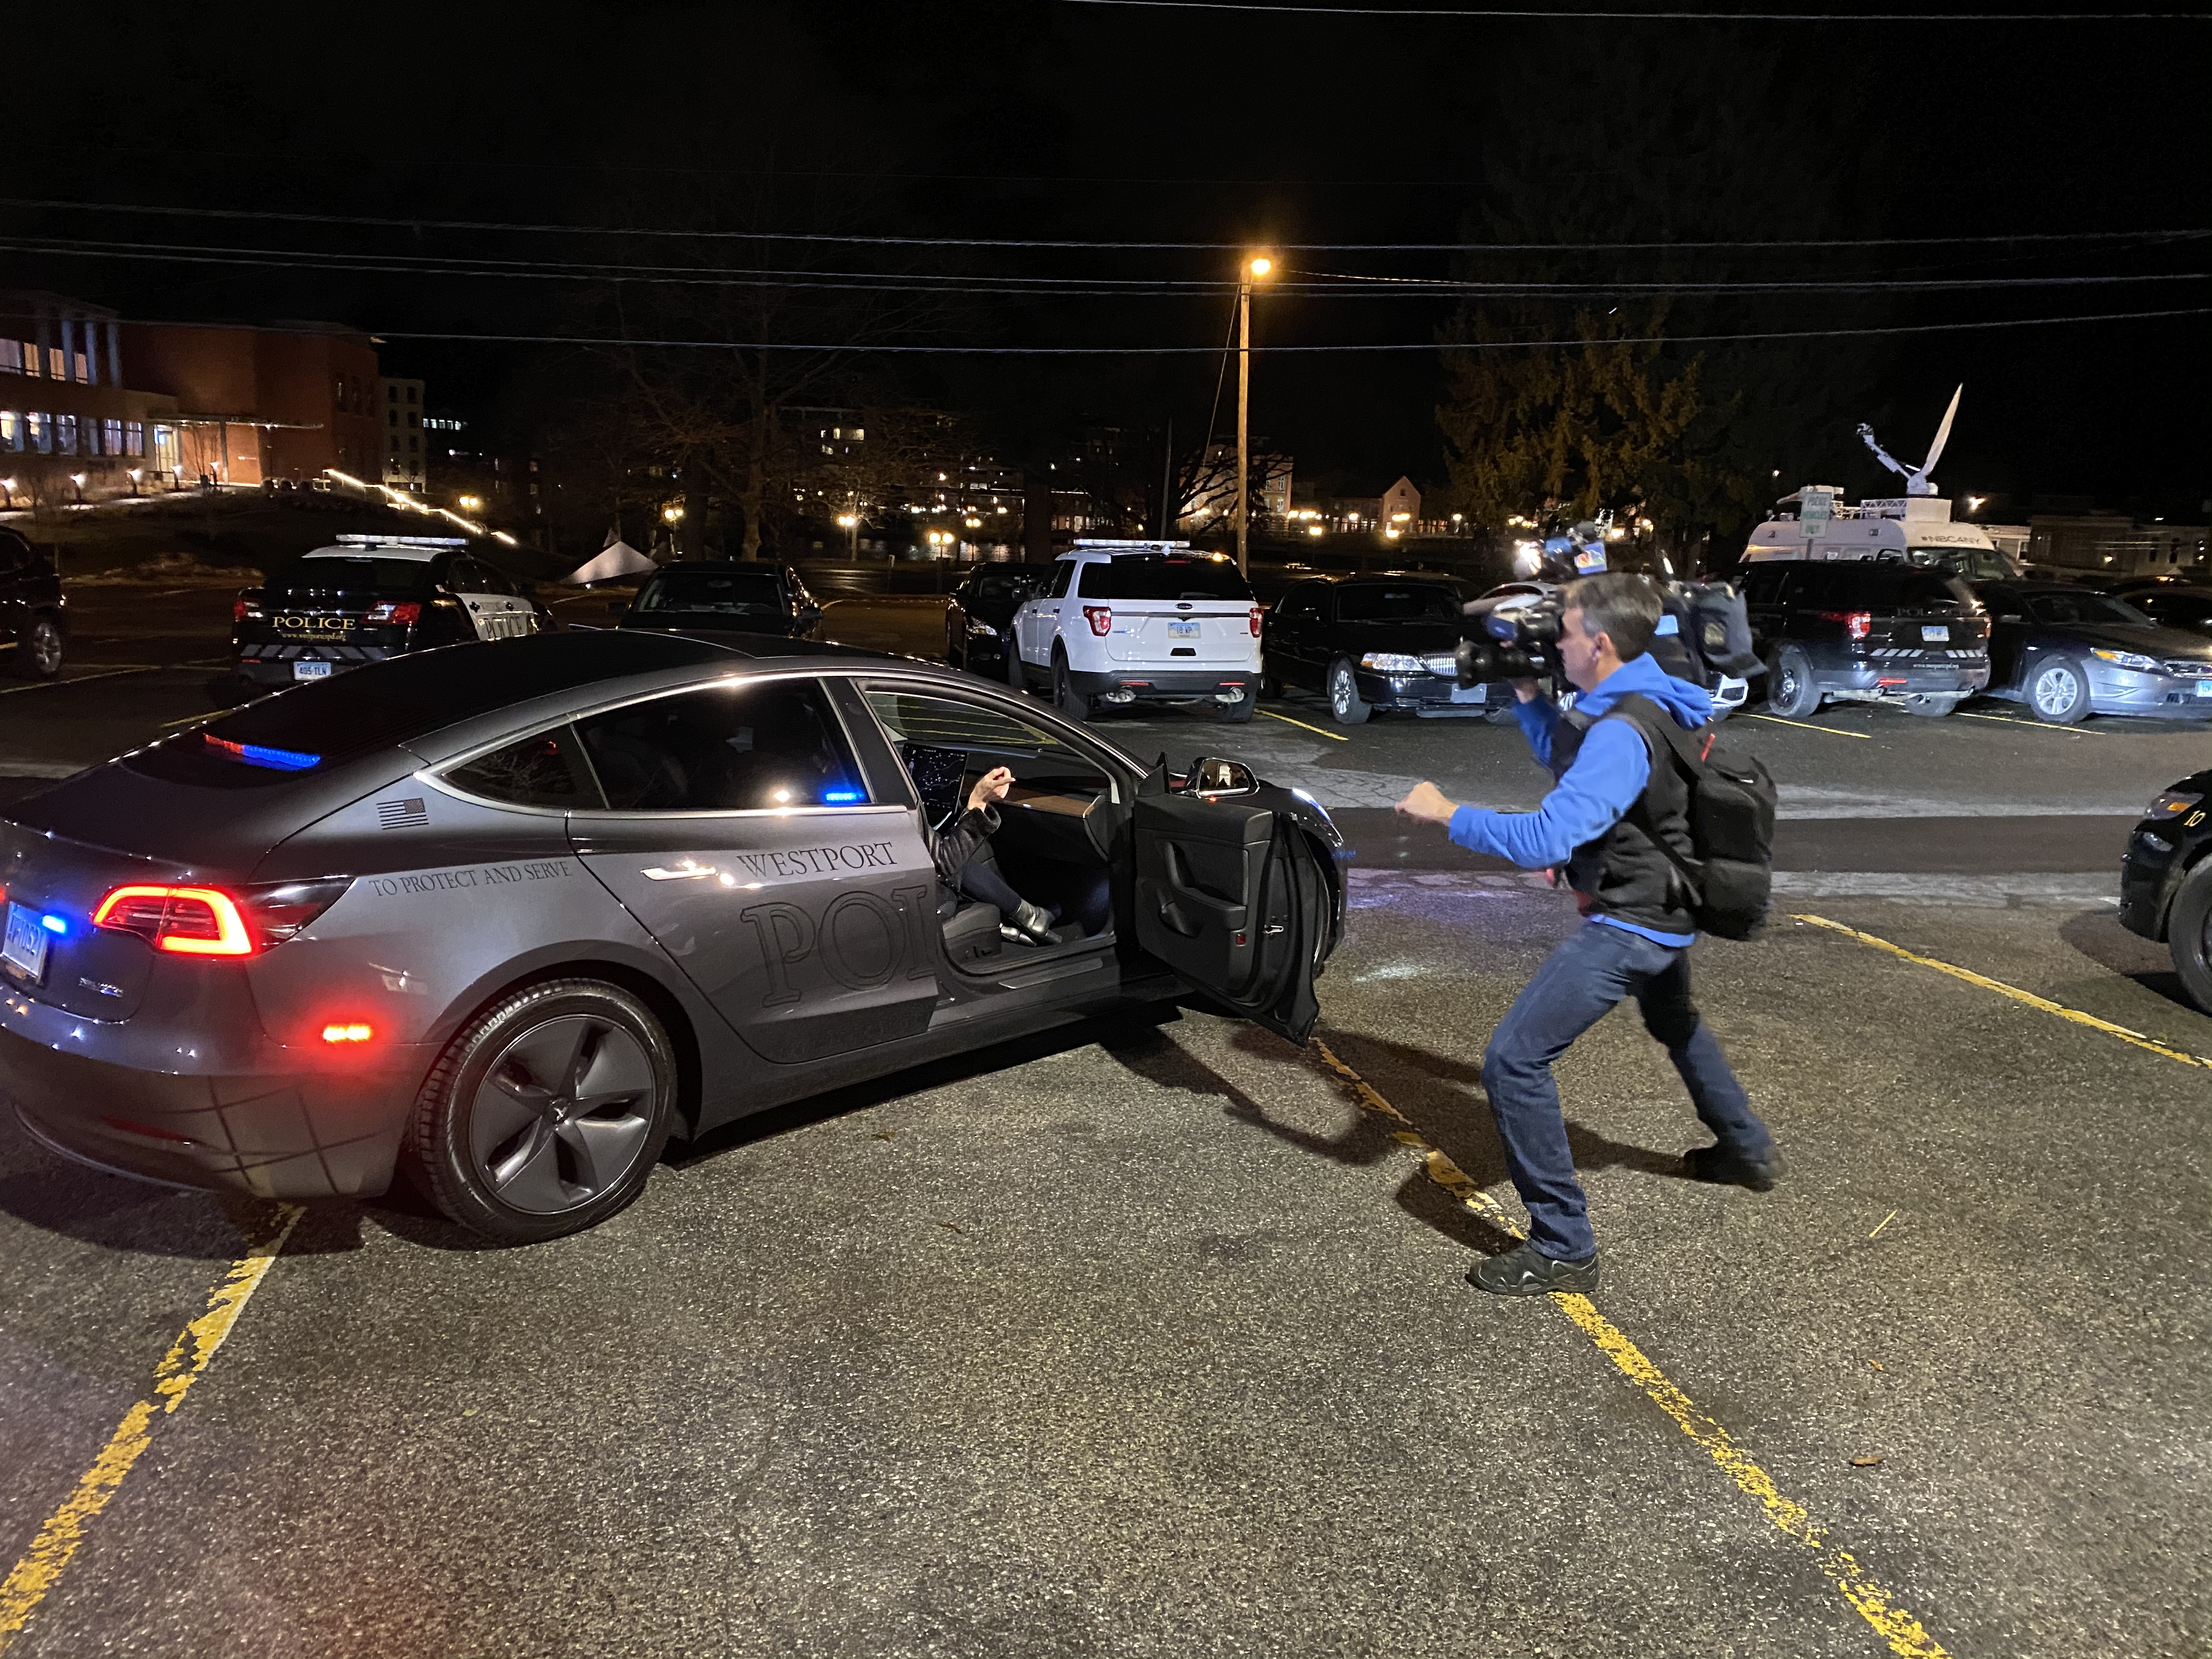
39, 650
1345, 701
1790, 691
2057, 691
2189, 935
547, 1113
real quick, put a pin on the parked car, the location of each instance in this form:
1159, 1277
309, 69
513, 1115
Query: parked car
2174, 604
2166, 881
1125, 620
1369, 643
505, 917
2066, 652
368, 598
979, 618
1862, 630
699, 597
33, 614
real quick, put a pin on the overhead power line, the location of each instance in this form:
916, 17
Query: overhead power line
2184, 234
1277, 350
1555, 15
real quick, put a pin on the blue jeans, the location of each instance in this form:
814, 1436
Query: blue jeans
1578, 983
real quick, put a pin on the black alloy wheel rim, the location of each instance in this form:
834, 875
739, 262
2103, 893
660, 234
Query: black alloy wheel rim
562, 1115
45, 647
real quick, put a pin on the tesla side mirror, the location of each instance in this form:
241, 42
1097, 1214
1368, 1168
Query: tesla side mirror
616, 607
1211, 777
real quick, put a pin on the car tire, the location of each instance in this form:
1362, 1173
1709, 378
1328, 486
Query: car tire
546, 1113
1791, 692
1933, 707
1017, 675
1075, 704
39, 649
1239, 713
2057, 691
2189, 934
1345, 703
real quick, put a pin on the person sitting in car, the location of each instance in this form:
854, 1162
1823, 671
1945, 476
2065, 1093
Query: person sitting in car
966, 864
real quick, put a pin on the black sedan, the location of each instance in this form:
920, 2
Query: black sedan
33, 614
365, 599
1370, 642
2067, 652
2166, 881
508, 915
2184, 606
978, 617
698, 597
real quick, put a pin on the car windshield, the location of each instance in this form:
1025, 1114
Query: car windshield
1415, 602
334, 575
715, 592
1161, 576
2085, 607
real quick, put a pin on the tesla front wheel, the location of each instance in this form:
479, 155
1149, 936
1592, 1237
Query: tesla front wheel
547, 1113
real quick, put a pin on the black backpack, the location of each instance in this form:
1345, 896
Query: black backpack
1731, 814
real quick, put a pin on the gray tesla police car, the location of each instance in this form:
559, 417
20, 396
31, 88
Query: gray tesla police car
507, 915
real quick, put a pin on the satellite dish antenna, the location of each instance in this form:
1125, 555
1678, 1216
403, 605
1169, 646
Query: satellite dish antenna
1917, 481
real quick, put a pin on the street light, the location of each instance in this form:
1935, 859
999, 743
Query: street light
1257, 269
850, 524
77, 479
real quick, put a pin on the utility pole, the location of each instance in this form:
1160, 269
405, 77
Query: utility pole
1167, 482
1255, 270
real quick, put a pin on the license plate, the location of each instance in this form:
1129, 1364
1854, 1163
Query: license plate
311, 671
1183, 630
2204, 688
24, 949
1470, 694
1936, 633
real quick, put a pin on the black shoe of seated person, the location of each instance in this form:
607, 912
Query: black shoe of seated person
1527, 1270
1723, 1168
1033, 924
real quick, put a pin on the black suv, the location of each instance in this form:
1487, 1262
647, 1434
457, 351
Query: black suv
33, 617
1863, 630
701, 596
979, 618
1370, 642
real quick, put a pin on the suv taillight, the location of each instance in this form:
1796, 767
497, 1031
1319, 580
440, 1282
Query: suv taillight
406, 612
1857, 624
1101, 618
1255, 620
246, 607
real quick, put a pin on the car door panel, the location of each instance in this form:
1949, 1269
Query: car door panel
1229, 896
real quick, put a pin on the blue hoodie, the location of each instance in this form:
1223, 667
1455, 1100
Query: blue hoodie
1608, 774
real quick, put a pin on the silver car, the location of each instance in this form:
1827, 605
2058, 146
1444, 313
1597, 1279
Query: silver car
506, 916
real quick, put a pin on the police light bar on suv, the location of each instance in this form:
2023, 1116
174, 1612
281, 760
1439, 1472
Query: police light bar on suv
403, 541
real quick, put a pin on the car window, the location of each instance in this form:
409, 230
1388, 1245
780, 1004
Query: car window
1761, 584
343, 575
999, 588
546, 769
1165, 576
1410, 602
1301, 603
926, 728
2184, 608
2060, 609
716, 592
1063, 577
744, 747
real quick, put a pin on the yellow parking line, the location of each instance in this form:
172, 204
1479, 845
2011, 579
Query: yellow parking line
2029, 998
1905, 1634
79, 679
2033, 725
1805, 726
1334, 737
41, 1567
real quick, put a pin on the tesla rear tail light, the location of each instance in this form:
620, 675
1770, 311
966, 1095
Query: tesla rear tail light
1101, 618
1856, 623
406, 612
209, 921
1255, 620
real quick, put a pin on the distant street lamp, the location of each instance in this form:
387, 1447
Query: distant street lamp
77, 479
1257, 269
850, 524
470, 503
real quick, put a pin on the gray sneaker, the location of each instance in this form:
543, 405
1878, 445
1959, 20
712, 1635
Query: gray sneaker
1527, 1270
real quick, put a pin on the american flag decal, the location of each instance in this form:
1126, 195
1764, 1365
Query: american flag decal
401, 815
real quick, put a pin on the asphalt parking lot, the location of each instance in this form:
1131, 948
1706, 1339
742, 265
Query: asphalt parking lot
1152, 1338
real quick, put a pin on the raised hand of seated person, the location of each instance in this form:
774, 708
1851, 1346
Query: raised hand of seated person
990, 789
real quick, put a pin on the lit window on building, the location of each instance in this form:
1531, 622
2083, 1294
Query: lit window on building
112, 437
134, 438
11, 356
64, 434
55, 370
83, 368
11, 429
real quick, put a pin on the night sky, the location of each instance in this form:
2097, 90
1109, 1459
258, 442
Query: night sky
1042, 120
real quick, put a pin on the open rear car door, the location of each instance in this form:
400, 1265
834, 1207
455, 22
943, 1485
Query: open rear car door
1231, 895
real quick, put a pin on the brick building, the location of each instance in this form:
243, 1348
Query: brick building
258, 404
405, 459
70, 422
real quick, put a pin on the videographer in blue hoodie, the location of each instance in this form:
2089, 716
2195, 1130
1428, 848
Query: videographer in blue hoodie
1616, 789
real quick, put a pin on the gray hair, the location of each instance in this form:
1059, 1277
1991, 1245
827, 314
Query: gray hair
1623, 608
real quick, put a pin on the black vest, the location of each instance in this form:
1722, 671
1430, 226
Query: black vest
1622, 873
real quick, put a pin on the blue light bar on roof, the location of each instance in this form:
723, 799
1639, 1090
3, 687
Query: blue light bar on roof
255, 753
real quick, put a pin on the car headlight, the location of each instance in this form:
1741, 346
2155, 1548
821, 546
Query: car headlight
2134, 659
2172, 803
982, 631
1394, 662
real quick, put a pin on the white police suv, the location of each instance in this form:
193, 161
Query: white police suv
1129, 620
